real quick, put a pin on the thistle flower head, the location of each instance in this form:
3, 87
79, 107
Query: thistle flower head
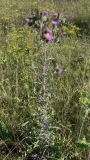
49, 37
54, 22
55, 14
45, 13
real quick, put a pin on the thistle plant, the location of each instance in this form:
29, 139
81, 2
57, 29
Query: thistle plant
51, 26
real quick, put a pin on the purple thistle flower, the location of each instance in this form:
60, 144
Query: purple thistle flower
45, 13
49, 37
54, 22
59, 70
55, 14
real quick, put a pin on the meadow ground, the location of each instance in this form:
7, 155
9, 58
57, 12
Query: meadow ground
44, 115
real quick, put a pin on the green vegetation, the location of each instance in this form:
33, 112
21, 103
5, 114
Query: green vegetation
44, 114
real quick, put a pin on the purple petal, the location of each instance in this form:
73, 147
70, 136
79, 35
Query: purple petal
55, 14
54, 22
45, 13
49, 37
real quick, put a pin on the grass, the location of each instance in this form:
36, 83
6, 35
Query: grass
78, 12
10, 158
41, 112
